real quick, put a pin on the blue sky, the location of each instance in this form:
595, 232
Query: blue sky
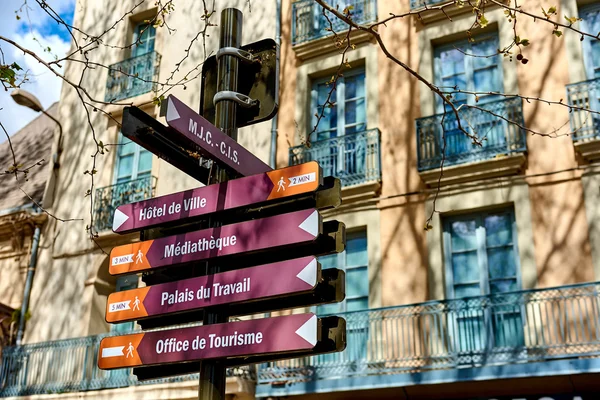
36, 31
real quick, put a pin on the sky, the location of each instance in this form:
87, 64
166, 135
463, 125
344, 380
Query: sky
36, 31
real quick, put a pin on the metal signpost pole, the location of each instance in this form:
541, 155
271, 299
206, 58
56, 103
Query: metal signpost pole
212, 373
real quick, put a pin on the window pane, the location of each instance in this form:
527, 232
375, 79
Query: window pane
357, 282
505, 285
483, 48
125, 166
357, 304
463, 235
465, 267
126, 147
501, 262
452, 62
329, 261
467, 290
145, 162
486, 80
328, 308
355, 86
329, 121
498, 230
356, 250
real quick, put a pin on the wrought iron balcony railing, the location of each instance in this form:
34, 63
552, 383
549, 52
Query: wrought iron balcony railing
354, 158
70, 366
132, 77
438, 136
586, 95
517, 327
108, 198
308, 22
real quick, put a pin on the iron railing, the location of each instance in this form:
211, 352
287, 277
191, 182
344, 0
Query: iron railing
500, 329
71, 366
586, 95
439, 139
132, 77
108, 198
416, 4
308, 22
354, 158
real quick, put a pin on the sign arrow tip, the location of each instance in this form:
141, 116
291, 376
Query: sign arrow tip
119, 219
172, 113
311, 224
308, 330
309, 273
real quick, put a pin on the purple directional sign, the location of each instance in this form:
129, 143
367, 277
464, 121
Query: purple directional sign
250, 190
260, 234
211, 140
262, 282
285, 334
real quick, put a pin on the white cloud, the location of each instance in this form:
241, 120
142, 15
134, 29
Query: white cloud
42, 83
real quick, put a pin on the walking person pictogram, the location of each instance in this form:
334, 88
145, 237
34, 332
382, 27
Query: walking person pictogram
129, 351
139, 257
136, 304
281, 184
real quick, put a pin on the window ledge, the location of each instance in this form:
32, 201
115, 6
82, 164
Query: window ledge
589, 149
425, 16
142, 101
499, 166
326, 44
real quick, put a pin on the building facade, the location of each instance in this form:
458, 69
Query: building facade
470, 269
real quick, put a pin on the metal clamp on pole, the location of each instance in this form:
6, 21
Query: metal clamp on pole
233, 51
240, 99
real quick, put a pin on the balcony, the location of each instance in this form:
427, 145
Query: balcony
542, 332
354, 158
108, 198
132, 77
71, 366
309, 25
585, 125
502, 153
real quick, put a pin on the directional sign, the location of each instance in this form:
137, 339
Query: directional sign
265, 281
197, 130
255, 189
234, 339
266, 233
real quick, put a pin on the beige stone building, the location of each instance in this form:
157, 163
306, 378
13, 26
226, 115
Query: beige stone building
497, 300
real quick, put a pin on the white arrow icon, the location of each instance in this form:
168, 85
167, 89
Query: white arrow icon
309, 273
311, 224
172, 113
113, 352
119, 219
308, 331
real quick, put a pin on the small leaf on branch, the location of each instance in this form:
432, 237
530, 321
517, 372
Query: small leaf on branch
557, 33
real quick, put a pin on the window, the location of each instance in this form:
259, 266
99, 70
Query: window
591, 48
146, 34
481, 258
337, 153
471, 66
348, 114
354, 262
133, 161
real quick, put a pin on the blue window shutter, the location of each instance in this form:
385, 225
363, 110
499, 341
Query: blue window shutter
132, 161
591, 47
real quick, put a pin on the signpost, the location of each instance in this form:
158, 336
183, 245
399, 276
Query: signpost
268, 217
233, 339
246, 237
195, 129
252, 190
